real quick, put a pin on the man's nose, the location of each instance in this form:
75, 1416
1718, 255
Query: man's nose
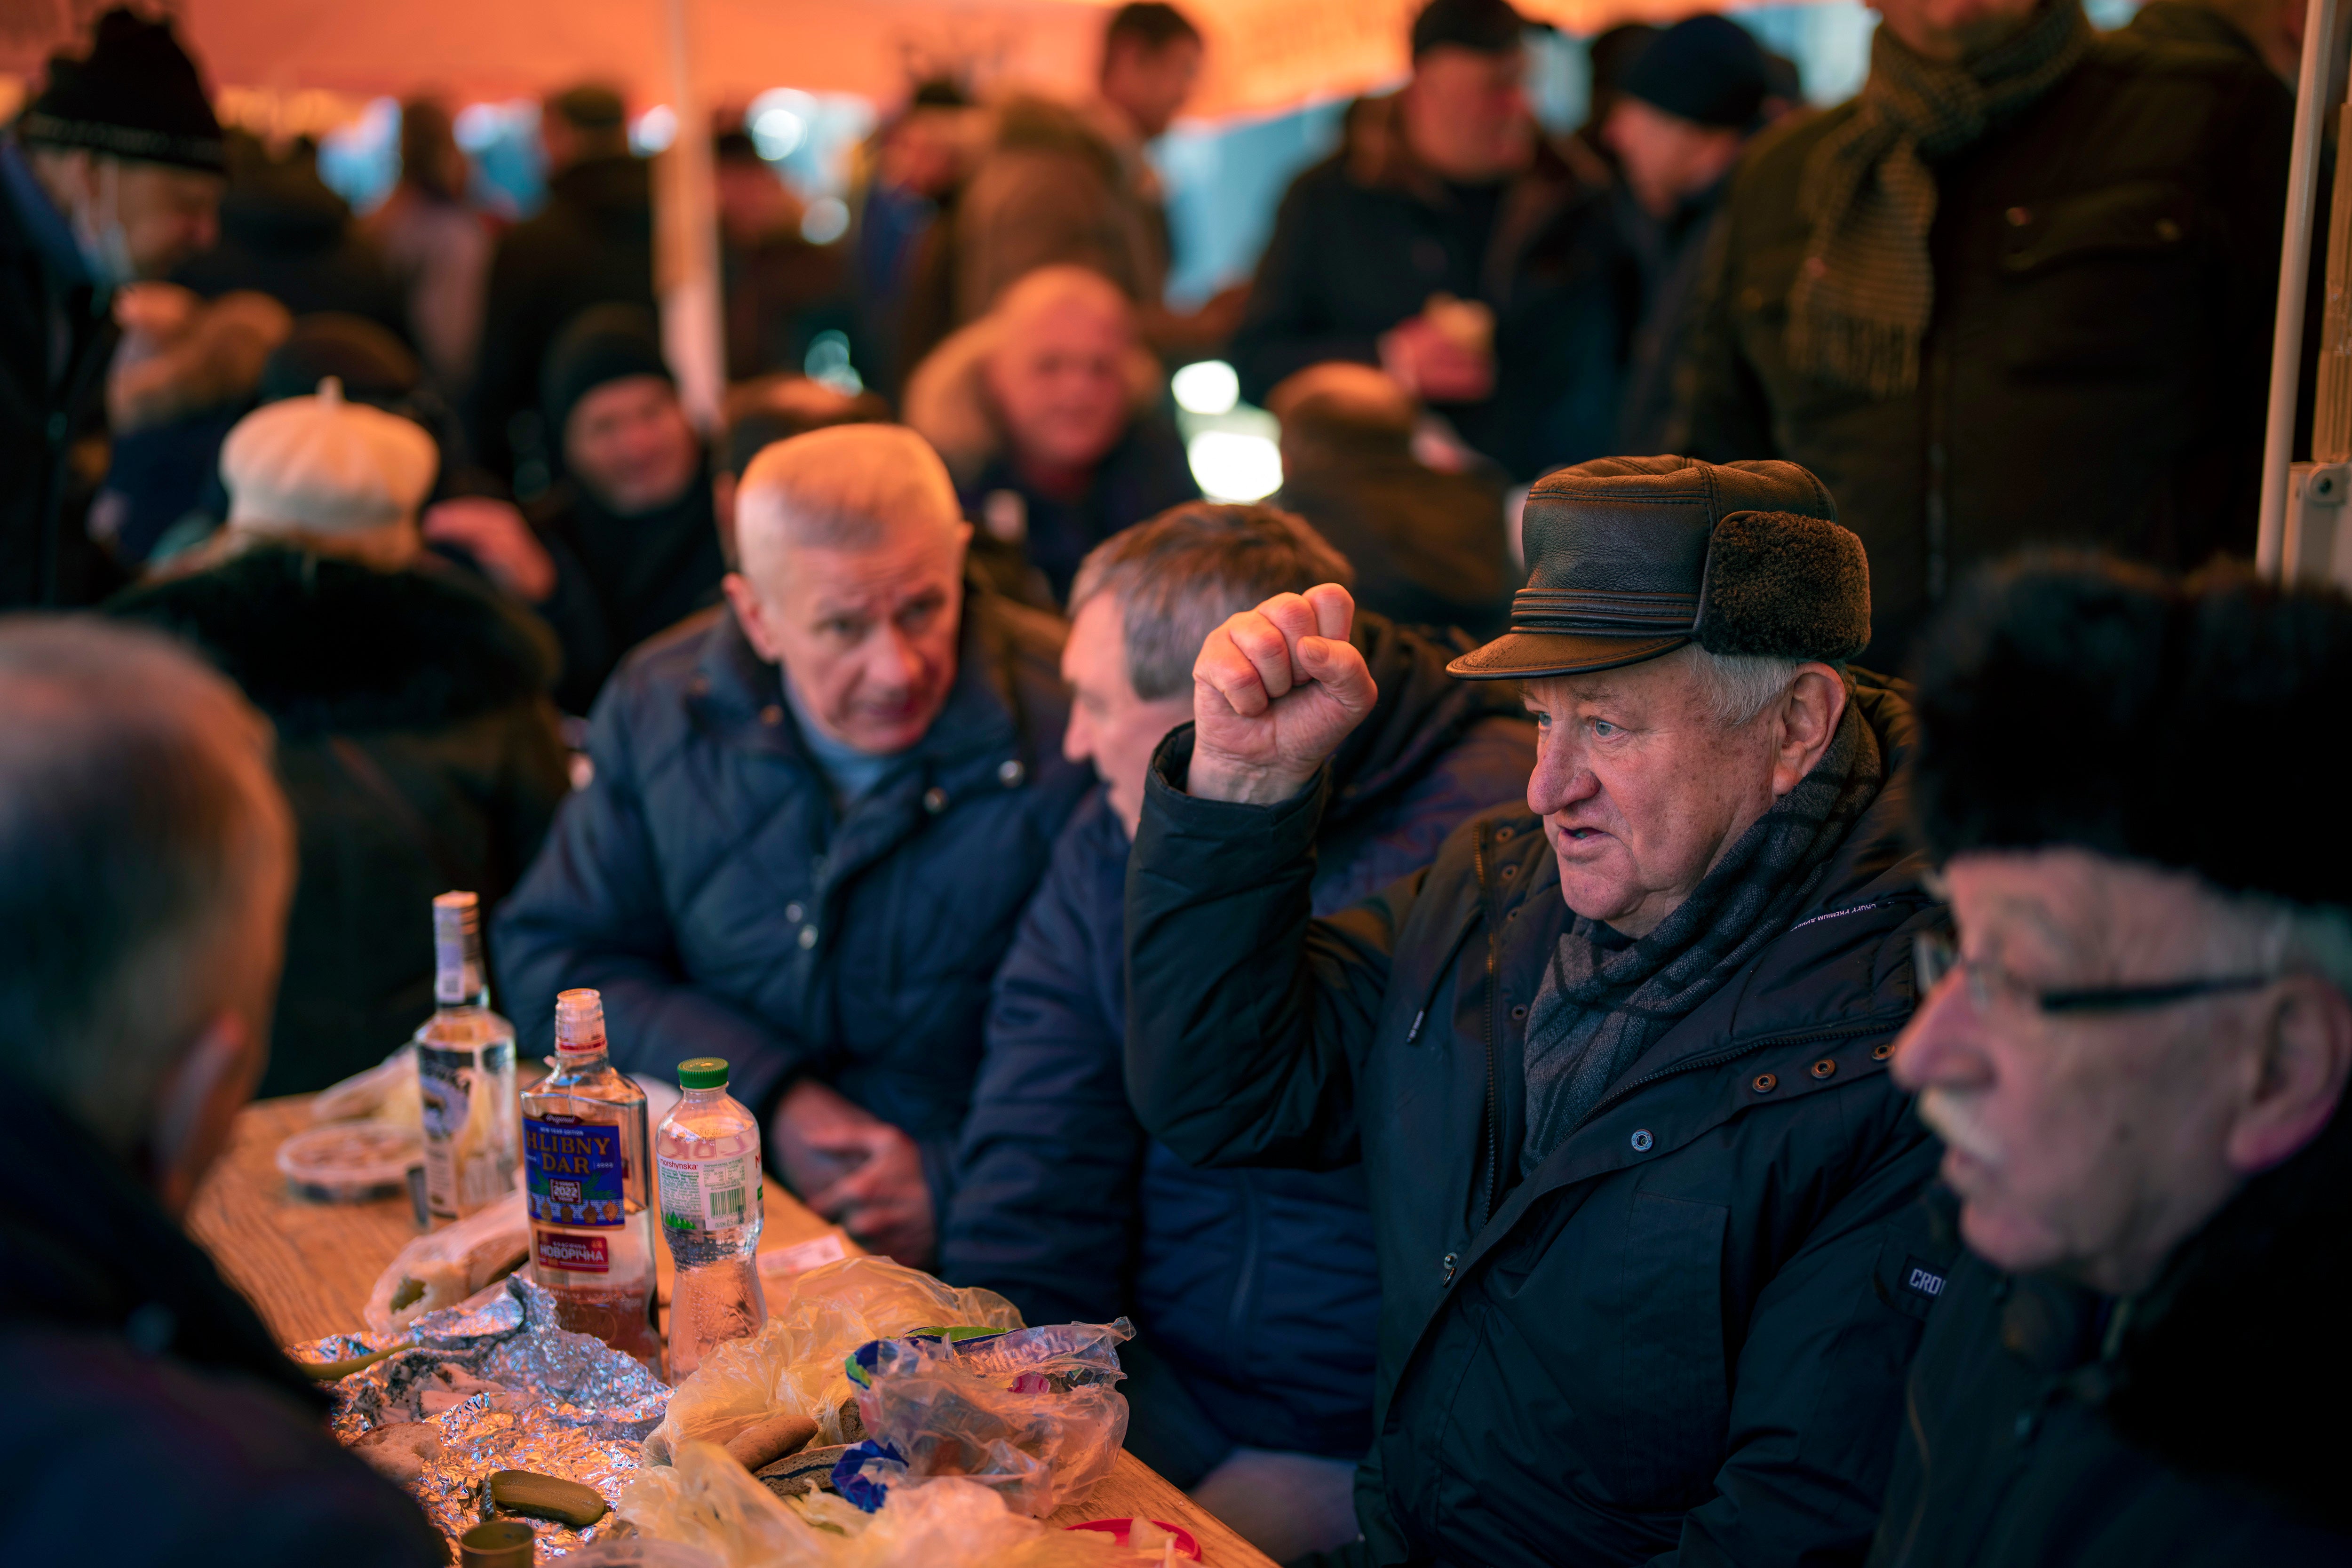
1078, 745
1560, 779
891, 662
1932, 1048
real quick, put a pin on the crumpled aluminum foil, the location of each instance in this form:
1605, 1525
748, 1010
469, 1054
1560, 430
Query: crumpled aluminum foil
505, 1389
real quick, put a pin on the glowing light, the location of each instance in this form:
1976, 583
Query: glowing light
827, 220
1206, 386
779, 121
654, 129
828, 360
1228, 466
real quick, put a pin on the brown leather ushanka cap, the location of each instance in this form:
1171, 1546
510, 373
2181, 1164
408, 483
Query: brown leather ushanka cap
1630, 558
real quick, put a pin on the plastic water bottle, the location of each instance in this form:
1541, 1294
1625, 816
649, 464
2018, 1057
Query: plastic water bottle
584, 1170
465, 1072
708, 1151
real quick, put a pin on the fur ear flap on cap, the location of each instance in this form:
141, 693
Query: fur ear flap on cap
1783, 585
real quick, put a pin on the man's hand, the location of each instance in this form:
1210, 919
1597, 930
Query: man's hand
1437, 362
1274, 691
855, 1169
499, 540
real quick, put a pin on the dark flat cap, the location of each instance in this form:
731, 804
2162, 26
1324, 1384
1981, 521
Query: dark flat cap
1487, 26
2072, 700
1630, 558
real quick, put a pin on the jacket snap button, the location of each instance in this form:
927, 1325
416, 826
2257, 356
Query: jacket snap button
1509, 872
2018, 216
1009, 772
1765, 1083
935, 800
1824, 1067
792, 913
1641, 1139
1520, 1011
771, 714
1502, 835
2167, 230
808, 936
1450, 1260
1881, 1051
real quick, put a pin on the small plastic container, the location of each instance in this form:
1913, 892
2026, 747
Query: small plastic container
350, 1162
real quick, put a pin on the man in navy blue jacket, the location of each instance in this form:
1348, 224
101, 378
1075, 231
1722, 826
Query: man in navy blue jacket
1255, 1291
815, 816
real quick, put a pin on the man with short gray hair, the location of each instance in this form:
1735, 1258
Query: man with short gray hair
1643, 1193
146, 860
1255, 1293
2136, 1053
815, 816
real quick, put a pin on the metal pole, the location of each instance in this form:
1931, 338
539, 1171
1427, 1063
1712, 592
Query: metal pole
2295, 273
692, 334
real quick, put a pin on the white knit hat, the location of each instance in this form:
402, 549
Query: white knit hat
336, 475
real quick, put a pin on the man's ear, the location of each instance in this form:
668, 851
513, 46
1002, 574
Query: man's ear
753, 617
196, 1104
722, 505
1809, 716
2302, 1061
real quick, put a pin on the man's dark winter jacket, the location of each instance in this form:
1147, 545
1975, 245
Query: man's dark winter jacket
1682, 1338
133, 1369
2094, 373
1255, 1291
416, 743
1144, 475
704, 883
1363, 240
285, 234
57, 338
593, 244
2049, 1428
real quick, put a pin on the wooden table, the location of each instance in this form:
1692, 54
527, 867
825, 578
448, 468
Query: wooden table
308, 1268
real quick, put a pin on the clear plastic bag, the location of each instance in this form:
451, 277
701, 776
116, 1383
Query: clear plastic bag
705, 1502
1035, 1414
795, 1364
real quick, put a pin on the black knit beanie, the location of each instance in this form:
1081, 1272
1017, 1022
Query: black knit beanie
136, 95
2075, 700
602, 344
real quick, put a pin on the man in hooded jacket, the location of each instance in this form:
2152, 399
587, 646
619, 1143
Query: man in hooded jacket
1644, 1198
1254, 1293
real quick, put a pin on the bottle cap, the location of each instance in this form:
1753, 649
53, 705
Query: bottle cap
579, 1022
702, 1072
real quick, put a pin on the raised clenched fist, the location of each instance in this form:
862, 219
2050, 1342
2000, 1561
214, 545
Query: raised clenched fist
1274, 691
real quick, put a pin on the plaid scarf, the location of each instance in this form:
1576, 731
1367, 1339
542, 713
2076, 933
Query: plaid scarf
1862, 296
1596, 1011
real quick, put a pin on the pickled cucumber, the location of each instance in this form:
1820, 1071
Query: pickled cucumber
546, 1497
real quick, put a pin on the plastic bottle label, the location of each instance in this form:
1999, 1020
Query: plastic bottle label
707, 1194
572, 1171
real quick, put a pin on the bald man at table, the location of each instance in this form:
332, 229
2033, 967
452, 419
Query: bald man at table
146, 860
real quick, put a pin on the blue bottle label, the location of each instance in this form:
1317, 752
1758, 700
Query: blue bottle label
572, 1170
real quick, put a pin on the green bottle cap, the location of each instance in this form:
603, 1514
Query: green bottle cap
703, 1072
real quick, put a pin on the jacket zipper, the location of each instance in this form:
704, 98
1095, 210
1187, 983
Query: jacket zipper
1487, 1029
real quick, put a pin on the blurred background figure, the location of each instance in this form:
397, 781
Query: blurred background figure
78, 221
1968, 360
437, 246
416, 742
625, 543
2268, 31
145, 860
774, 279
284, 233
915, 164
1454, 246
1611, 53
591, 244
1047, 411
1681, 119
1427, 546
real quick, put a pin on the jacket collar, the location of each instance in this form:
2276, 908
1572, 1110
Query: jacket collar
110, 1260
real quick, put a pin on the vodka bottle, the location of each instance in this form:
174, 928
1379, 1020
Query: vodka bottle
465, 1072
585, 1169
707, 1151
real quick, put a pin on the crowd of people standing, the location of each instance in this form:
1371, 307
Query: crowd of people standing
1564, 1053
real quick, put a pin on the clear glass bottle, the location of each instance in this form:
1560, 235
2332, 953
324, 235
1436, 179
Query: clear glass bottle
707, 1152
465, 1072
585, 1141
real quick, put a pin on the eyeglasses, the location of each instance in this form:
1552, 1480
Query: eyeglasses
1934, 955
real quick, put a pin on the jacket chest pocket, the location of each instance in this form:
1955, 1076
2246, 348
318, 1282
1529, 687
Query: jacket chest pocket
2098, 285
1673, 1396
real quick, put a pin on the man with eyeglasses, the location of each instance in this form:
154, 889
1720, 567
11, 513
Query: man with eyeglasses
2135, 1054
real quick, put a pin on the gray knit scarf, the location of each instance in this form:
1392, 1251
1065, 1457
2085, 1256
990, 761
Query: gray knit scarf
1596, 1011
1861, 300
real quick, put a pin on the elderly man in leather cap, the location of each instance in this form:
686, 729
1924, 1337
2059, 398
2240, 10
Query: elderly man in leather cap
1643, 1193
2137, 1054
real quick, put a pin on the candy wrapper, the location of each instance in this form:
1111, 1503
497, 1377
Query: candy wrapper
492, 1384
